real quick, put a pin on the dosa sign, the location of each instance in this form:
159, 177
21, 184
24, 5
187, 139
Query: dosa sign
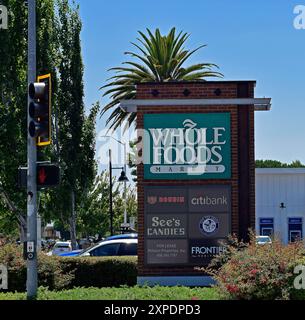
187, 146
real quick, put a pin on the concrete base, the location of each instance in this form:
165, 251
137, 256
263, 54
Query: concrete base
186, 281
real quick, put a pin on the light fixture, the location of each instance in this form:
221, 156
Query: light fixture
123, 177
283, 205
155, 92
218, 92
186, 92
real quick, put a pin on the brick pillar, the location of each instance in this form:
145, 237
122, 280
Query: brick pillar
242, 154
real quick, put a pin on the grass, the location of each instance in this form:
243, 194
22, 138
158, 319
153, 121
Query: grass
122, 293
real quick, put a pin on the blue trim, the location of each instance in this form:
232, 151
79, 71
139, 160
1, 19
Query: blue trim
203, 281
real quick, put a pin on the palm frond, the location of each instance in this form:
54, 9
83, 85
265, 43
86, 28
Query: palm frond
159, 59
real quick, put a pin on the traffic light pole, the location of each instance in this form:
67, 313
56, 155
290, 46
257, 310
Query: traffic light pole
32, 280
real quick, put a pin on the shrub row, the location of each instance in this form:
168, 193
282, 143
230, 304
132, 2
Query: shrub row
65, 273
258, 272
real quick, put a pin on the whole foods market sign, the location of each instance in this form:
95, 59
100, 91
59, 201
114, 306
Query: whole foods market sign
187, 146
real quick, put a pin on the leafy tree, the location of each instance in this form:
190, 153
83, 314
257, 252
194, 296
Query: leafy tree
132, 159
75, 141
58, 52
13, 102
160, 59
278, 164
93, 217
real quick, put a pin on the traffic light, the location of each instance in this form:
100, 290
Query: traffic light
48, 176
40, 110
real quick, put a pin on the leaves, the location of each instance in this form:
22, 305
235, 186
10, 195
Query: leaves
160, 59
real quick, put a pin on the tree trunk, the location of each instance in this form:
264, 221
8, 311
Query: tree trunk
22, 228
21, 219
73, 222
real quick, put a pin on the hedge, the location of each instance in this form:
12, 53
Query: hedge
66, 273
258, 272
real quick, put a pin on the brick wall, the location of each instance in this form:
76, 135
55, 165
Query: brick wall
241, 149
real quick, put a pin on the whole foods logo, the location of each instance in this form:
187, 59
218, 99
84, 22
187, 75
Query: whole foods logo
182, 145
209, 225
188, 145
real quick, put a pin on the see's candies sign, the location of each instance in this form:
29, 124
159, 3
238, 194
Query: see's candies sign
187, 146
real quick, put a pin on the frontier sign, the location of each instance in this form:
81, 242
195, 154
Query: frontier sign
187, 146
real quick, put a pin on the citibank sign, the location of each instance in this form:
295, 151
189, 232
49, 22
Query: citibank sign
187, 146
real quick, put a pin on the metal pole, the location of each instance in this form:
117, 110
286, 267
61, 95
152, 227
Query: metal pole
32, 158
125, 185
110, 194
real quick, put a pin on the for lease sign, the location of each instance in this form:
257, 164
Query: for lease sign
187, 146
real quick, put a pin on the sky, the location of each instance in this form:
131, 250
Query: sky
249, 40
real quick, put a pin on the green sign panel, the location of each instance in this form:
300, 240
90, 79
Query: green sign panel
187, 146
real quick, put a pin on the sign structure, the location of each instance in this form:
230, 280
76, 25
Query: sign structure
187, 146
186, 225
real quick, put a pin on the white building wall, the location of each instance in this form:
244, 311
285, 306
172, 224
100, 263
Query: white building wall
276, 186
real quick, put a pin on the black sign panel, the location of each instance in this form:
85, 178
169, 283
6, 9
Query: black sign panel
209, 226
210, 199
167, 199
203, 251
167, 252
166, 226
183, 224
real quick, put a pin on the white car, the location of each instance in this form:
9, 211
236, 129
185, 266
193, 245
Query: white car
120, 247
60, 248
263, 240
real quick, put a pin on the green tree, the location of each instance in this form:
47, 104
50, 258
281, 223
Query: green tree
13, 102
58, 52
93, 217
75, 141
160, 59
278, 164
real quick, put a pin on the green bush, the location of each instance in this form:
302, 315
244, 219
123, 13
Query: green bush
101, 272
65, 273
259, 272
121, 293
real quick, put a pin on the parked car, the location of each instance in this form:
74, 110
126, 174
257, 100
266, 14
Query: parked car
60, 247
77, 253
123, 236
112, 248
108, 248
261, 240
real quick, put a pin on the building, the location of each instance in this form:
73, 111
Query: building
280, 203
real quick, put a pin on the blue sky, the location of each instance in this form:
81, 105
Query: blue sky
249, 40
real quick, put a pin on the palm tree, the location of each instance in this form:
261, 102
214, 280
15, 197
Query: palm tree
161, 59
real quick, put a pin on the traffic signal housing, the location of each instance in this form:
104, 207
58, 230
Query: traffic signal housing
48, 176
40, 110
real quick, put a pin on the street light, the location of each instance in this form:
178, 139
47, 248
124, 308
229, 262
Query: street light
122, 178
